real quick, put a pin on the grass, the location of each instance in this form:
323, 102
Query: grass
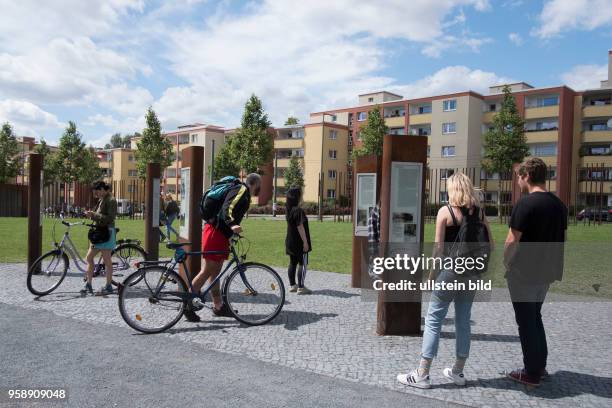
588, 255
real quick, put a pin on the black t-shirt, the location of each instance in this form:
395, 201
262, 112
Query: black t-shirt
293, 241
542, 219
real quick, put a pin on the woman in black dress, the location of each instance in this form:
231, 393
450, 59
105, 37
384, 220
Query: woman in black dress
297, 242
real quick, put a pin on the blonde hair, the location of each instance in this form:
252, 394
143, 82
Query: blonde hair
461, 191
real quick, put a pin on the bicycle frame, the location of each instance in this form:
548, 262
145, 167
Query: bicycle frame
179, 258
66, 245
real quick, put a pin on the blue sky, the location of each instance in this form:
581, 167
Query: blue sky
102, 63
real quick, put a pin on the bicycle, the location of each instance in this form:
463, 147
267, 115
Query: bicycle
153, 299
49, 270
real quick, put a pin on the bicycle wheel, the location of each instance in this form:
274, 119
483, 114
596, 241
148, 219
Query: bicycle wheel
124, 257
254, 293
150, 299
47, 272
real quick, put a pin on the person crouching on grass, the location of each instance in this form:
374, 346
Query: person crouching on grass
297, 241
463, 200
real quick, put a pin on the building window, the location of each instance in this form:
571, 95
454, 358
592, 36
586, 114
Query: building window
180, 156
551, 173
280, 171
333, 154
130, 157
333, 134
331, 174
171, 188
361, 116
443, 197
543, 149
446, 173
449, 128
492, 107
194, 138
370, 99
183, 139
108, 172
448, 151
358, 134
549, 101
132, 173
334, 118
449, 105
490, 197
547, 125
170, 173
331, 193
131, 188
423, 109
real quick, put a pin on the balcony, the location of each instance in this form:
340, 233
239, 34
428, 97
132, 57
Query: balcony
539, 136
542, 112
288, 143
396, 121
420, 119
487, 117
597, 136
595, 111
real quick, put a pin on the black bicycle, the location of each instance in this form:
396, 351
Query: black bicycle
153, 298
49, 270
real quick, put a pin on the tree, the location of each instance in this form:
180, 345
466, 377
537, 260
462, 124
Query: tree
252, 145
73, 161
505, 142
372, 134
49, 162
292, 120
294, 176
116, 141
90, 167
225, 162
10, 161
153, 147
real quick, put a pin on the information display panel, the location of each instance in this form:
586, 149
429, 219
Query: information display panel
366, 200
405, 203
184, 209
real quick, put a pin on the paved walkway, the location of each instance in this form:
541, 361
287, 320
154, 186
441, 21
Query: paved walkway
331, 332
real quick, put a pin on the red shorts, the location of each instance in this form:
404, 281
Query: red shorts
214, 240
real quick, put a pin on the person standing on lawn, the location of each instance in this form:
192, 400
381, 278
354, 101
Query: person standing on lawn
297, 241
215, 237
533, 256
172, 210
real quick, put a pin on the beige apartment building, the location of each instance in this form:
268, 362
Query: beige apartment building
321, 148
570, 130
120, 172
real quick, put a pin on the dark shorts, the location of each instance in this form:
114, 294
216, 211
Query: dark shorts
214, 240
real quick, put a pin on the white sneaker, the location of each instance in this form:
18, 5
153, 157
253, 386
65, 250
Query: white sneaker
413, 379
304, 291
293, 288
458, 379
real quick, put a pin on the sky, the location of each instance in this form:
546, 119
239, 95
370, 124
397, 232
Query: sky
101, 64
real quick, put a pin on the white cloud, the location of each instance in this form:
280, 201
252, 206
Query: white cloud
558, 16
28, 119
30, 23
515, 38
583, 77
449, 80
296, 55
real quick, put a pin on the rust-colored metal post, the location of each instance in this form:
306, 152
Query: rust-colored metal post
152, 211
34, 198
193, 159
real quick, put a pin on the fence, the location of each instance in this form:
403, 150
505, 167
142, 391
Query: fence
13, 200
593, 194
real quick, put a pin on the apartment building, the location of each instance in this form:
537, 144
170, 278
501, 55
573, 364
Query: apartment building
570, 130
321, 148
211, 137
120, 172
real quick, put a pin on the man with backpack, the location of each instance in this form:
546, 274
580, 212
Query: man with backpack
223, 206
533, 256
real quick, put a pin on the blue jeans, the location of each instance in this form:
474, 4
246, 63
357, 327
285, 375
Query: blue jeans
438, 307
169, 220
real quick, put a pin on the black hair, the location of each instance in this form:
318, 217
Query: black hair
293, 196
100, 185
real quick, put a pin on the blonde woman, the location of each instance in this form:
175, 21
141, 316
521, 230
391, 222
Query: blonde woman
463, 200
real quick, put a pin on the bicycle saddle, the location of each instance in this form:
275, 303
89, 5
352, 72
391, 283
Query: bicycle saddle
117, 230
176, 245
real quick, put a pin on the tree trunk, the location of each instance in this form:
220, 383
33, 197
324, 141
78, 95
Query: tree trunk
499, 192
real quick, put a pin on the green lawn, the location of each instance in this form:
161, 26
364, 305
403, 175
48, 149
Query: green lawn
588, 257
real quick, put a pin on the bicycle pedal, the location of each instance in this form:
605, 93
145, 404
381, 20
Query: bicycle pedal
197, 304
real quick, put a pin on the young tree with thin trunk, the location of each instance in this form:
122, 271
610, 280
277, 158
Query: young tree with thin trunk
505, 142
294, 176
153, 147
252, 145
372, 134
10, 161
